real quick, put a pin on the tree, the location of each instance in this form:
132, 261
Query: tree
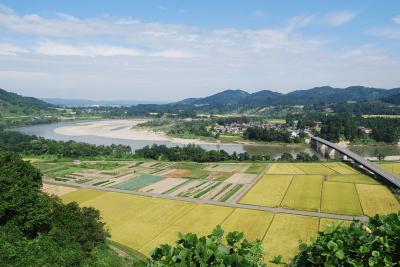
211, 250
39, 230
375, 243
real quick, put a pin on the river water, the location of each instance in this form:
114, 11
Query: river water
47, 131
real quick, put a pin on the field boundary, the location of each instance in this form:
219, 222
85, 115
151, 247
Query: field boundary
217, 203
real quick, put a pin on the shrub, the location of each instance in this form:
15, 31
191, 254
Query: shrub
376, 243
210, 250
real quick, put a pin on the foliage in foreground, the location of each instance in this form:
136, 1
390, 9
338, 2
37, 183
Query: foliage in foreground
210, 250
376, 243
39, 230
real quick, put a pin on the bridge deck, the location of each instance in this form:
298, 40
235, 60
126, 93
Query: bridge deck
362, 161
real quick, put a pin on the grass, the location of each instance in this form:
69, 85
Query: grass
82, 195
240, 218
393, 167
377, 199
304, 193
314, 168
101, 165
353, 178
284, 168
206, 190
137, 257
138, 182
231, 192
269, 191
324, 223
340, 198
255, 168
230, 138
285, 233
196, 174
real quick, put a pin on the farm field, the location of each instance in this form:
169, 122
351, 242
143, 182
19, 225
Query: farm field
377, 199
329, 187
304, 193
340, 198
393, 167
134, 221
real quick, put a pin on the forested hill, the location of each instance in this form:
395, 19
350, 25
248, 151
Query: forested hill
393, 99
12, 103
316, 95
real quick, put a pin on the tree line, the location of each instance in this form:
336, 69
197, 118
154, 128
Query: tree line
272, 135
198, 154
39, 230
30, 144
33, 145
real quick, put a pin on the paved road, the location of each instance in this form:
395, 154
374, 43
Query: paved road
216, 203
362, 161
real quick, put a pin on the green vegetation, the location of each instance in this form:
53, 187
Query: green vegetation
271, 135
345, 126
138, 182
231, 192
17, 110
255, 168
372, 244
211, 250
38, 230
32, 145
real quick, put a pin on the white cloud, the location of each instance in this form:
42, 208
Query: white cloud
173, 54
397, 19
10, 49
58, 49
339, 18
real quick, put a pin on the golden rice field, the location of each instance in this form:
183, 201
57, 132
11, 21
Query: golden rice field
340, 198
331, 187
285, 232
377, 199
142, 223
393, 167
304, 193
269, 191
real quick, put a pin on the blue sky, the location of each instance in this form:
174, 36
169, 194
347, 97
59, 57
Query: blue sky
168, 50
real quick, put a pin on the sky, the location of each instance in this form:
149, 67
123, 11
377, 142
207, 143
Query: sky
171, 50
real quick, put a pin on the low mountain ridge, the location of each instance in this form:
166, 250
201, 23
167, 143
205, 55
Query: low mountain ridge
316, 95
12, 103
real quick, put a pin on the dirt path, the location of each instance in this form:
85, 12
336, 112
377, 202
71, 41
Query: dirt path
217, 203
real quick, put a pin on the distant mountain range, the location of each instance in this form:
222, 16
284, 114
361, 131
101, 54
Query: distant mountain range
228, 99
316, 95
87, 103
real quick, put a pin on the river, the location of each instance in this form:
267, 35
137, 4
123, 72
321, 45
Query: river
48, 131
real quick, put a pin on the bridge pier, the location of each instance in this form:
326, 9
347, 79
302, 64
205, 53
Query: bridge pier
330, 153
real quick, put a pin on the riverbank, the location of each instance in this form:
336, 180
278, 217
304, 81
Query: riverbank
122, 129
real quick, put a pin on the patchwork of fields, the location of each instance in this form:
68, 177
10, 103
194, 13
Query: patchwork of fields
142, 222
329, 187
220, 181
321, 187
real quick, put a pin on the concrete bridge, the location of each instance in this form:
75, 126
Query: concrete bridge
332, 151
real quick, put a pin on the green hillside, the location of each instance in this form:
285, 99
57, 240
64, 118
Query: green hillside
17, 110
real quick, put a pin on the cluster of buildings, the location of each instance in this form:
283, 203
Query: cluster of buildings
240, 128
